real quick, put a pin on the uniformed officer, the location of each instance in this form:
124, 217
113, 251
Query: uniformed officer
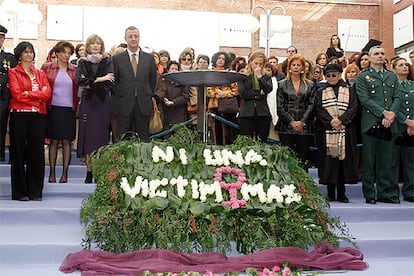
405, 120
7, 61
379, 93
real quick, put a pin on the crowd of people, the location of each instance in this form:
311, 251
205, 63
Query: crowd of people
334, 104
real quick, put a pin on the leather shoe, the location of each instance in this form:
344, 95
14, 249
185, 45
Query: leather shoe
343, 199
24, 198
370, 200
37, 199
409, 199
393, 200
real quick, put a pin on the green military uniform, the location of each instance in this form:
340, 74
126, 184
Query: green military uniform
7, 61
405, 155
376, 94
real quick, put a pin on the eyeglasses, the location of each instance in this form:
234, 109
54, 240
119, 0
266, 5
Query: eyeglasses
316, 72
331, 75
186, 59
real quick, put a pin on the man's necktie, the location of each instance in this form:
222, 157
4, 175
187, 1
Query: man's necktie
134, 63
381, 74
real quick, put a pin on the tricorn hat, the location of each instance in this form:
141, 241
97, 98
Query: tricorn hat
3, 30
371, 43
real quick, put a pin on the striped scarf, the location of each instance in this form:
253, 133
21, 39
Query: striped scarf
335, 140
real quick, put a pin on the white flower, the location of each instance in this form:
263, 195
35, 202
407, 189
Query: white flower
170, 154
296, 197
263, 163
287, 190
162, 194
288, 200
194, 188
245, 191
164, 181
218, 192
173, 181
183, 156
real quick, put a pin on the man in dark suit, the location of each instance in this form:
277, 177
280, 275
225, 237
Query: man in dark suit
135, 80
378, 91
7, 61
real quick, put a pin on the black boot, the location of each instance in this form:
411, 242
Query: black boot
88, 178
331, 192
341, 197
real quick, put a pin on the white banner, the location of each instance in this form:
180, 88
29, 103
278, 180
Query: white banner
354, 34
235, 29
403, 26
64, 22
26, 28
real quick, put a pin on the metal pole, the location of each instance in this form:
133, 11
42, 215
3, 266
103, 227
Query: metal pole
268, 23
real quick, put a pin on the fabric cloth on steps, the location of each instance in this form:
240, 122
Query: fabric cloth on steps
323, 257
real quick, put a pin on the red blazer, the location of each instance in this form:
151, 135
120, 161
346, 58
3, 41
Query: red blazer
19, 82
51, 69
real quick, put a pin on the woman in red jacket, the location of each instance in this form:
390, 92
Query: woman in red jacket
30, 91
61, 117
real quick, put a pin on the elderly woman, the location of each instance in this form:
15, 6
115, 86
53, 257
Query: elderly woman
336, 106
30, 90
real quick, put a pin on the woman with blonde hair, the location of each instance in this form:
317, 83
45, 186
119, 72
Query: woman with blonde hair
322, 59
254, 115
295, 98
95, 76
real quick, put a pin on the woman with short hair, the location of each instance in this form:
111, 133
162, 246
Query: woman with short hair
61, 117
30, 91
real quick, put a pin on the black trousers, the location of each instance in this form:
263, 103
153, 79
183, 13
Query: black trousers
27, 159
299, 144
256, 126
135, 122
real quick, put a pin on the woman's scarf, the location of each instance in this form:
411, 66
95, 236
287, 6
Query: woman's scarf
256, 85
335, 139
94, 58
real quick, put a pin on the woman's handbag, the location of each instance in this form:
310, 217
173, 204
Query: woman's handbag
228, 105
191, 109
155, 125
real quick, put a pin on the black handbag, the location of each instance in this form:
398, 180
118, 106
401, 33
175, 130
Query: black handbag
228, 105
380, 132
405, 140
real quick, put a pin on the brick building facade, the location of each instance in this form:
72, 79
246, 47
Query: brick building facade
313, 21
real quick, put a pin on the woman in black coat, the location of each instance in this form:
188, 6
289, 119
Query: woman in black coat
254, 114
336, 108
174, 102
295, 99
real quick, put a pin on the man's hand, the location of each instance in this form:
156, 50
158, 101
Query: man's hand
389, 115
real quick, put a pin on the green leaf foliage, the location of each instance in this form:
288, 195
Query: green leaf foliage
116, 222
